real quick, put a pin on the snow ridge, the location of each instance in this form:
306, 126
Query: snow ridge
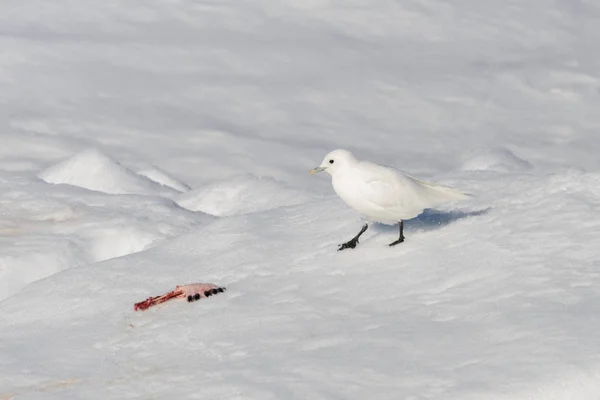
91, 169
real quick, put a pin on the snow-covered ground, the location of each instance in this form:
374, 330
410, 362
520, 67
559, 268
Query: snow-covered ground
149, 144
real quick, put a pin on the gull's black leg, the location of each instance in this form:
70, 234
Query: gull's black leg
350, 244
401, 237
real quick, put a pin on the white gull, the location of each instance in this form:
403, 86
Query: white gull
381, 193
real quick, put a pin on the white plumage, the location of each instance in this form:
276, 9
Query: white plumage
381, 193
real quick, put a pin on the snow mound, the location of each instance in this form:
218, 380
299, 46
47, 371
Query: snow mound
34, 257
496, 160
241, 195
31, 256
94, 170
47, 229
157, 175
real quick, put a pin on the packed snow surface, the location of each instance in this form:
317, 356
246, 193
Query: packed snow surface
145, 145
240, 195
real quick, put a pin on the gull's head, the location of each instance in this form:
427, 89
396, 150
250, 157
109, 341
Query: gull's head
335, 161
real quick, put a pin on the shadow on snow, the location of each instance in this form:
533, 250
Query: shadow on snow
431, 219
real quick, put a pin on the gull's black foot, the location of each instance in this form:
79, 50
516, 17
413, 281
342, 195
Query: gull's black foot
350, 244
396, 242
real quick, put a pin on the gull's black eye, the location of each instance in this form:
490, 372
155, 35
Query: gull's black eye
330, 161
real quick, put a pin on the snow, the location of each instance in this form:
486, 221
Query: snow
90, 169
149, 145
159, 176
496, 160
49, 228
240, 195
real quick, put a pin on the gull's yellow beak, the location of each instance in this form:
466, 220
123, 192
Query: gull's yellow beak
315, 170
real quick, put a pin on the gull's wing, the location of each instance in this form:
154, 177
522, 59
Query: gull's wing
392, 195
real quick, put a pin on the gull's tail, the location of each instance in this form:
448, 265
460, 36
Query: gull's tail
443, 193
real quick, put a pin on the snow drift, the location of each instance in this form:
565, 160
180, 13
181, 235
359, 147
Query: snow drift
157, 175
241, 195
94, 170
495, 160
